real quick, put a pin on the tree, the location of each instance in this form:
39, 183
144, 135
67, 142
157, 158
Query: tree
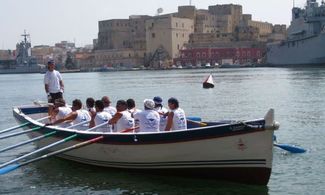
69, 62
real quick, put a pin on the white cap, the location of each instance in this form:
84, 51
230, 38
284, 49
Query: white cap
149, 104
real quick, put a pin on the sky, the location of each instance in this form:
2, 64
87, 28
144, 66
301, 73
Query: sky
52, 21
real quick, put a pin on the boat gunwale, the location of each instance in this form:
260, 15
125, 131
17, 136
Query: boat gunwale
193, 134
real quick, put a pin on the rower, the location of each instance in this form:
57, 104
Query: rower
77, 115
148, 119
60, 111
100, 117
122, 119
176, 116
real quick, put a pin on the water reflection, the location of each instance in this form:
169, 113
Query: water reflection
61, 175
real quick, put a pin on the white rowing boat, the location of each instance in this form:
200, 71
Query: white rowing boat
228, 150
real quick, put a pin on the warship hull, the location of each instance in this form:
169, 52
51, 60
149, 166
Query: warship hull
24, 61
305, 43
307, 51
22, 70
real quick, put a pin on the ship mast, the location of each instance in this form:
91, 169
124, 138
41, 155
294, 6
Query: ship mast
25, 36
24, 50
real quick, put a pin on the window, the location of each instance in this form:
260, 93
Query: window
153, 35
237, 54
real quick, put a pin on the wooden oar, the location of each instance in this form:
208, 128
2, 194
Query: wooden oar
35, 129
21, 132
79, 145
39, 150
128, 130
42, 103
49, 146
197, 122
20, 126
194, 118
288, 147
37, 138
27, 142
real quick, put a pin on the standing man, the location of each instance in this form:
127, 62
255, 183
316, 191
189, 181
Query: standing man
53, 83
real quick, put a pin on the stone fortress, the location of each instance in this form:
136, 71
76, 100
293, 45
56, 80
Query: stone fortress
190, 37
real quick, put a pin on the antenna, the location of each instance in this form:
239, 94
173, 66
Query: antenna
159, 11
190, 2
25, 36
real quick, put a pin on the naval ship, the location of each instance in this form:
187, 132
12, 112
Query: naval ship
24, 62
305, 43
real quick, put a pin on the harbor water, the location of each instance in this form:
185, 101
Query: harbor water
296, 94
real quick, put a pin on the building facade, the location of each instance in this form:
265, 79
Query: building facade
202, 56
119, 58
156, 41
166, 35
121, 42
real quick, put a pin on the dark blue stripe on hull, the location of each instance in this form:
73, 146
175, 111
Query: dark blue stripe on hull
257, 162
250, 175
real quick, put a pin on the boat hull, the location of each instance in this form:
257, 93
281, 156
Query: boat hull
238, 152
307, 51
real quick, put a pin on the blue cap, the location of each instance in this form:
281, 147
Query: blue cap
50, 62
157, 100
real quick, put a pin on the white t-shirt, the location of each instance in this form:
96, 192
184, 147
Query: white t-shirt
83, 115
163, 119
52, 79
100, 118
63, 111
148, 120
110, 109
125, 122
179, 119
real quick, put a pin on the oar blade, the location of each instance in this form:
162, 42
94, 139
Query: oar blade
290, 148
8, 168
